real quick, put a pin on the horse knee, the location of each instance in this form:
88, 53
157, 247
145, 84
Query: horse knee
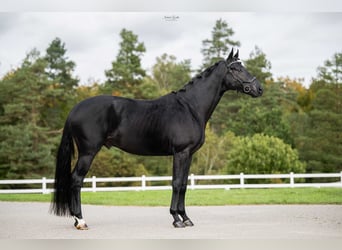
183, 188
177, 185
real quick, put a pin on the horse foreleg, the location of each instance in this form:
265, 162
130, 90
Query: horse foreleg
181, 203
181, 165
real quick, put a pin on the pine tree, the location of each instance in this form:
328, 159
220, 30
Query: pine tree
258, 65
331, 72
60, 96
126, 73
218, 46
59, 68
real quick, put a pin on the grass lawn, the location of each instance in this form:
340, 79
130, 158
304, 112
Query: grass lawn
201, 197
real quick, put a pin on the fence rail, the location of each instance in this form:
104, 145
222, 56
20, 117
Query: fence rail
145, 182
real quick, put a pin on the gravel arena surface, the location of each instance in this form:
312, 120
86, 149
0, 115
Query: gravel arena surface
31, 220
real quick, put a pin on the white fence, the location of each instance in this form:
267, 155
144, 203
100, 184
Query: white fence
144, 182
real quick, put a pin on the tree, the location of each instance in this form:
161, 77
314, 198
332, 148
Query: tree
246, 116
299, 93
331, 72
169, 75
25, 144
217, 47
262, 154
116, 163
125, 76
318, 134
212, 156
258, 65
320, 144
269, 114
60, 96
59, 68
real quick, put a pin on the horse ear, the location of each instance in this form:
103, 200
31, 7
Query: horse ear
231, 54
237, 55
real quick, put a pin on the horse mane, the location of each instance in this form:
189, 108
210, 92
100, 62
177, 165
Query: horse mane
205, 73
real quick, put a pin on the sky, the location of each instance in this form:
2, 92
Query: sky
295, 43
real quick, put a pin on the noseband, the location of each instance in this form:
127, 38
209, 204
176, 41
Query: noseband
246, 85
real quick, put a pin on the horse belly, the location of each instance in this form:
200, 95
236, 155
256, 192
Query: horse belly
135, 143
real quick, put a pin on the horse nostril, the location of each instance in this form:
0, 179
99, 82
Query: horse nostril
260, 90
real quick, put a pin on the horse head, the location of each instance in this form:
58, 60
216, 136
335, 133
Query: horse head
238, 78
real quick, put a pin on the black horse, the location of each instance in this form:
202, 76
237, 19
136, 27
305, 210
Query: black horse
173, 124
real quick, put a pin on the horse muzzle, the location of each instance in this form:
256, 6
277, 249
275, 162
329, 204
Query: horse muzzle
253, 90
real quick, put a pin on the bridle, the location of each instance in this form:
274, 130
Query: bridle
246, 85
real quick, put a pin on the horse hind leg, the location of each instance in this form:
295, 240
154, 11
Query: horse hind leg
77, 177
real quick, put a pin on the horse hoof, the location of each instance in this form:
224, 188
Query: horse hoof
80, 224
188, 223
178, 224
82, 227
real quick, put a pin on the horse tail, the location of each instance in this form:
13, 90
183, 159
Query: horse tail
62, 196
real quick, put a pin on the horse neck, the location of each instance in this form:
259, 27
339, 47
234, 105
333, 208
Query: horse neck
205, 93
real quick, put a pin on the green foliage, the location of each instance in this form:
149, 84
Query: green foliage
331, 72
26, 149
149, 88
115, 163
169, 75
59, 68
217, 47
126, 73
318, 137
212, 157
25, 152
245, 116
262, 154
61, 92
258, 65
320, 143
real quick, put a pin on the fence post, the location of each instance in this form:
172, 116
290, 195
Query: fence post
291, 180
242, 180
143, 182
93, 183
44, 190
192, 181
